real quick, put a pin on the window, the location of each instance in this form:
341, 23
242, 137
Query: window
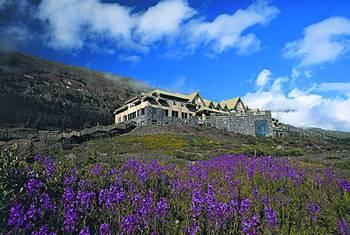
174, 102
166, 113
175, 114
190, 115
131, 115
184, 115
142, 111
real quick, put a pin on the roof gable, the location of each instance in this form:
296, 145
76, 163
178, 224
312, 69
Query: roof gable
192, 96
231, 103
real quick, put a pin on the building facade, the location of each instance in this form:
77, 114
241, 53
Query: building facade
160, 107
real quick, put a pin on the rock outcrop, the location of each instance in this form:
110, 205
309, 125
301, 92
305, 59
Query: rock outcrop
36, 93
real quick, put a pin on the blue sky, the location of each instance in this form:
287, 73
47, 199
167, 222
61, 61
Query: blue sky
279, 55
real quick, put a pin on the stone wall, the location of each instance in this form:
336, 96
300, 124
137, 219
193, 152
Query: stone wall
238, 123
241, 123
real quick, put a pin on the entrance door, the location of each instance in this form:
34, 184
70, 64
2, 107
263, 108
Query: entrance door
261, 128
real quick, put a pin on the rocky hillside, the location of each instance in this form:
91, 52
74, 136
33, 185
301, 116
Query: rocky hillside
36, 93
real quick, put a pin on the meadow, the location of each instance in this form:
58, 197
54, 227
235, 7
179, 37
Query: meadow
228, 194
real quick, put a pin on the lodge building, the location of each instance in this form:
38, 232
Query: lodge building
163, 107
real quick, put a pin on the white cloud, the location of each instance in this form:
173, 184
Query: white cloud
72, 24
165, 18
305, 107
325, 41
226, 31
263, 77
339, 87
295, 73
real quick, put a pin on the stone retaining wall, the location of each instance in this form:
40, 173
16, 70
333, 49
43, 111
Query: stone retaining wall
242, 123
247, 123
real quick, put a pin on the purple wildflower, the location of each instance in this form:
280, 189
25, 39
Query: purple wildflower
32, 213
70, 220
43, 230
141, 173
45, 201
33, 185
245, 205
344, 185
68, 197
128, 224
50, 168
105, 229
249, 225
197, 204
192, 229
96, 169
84, 231
83, 184
85, 200
162, 208
70, 177
16, 217
112, 197
233, 205
271, 218
144, 211
314, 209
343, 227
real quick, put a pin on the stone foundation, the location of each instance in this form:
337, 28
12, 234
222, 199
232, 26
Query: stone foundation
256, 124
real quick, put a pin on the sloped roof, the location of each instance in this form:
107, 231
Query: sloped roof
231, 103
192, 95
207, 102
168, 93
217, 104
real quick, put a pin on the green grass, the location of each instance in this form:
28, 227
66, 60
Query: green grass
181, 148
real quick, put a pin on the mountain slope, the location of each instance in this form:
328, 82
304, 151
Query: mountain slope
36, 93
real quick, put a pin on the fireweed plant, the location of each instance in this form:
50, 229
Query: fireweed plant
225, 195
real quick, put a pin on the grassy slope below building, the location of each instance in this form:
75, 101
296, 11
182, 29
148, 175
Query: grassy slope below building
184, 144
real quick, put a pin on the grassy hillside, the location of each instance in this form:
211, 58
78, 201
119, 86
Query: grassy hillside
41, 94
184, 144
